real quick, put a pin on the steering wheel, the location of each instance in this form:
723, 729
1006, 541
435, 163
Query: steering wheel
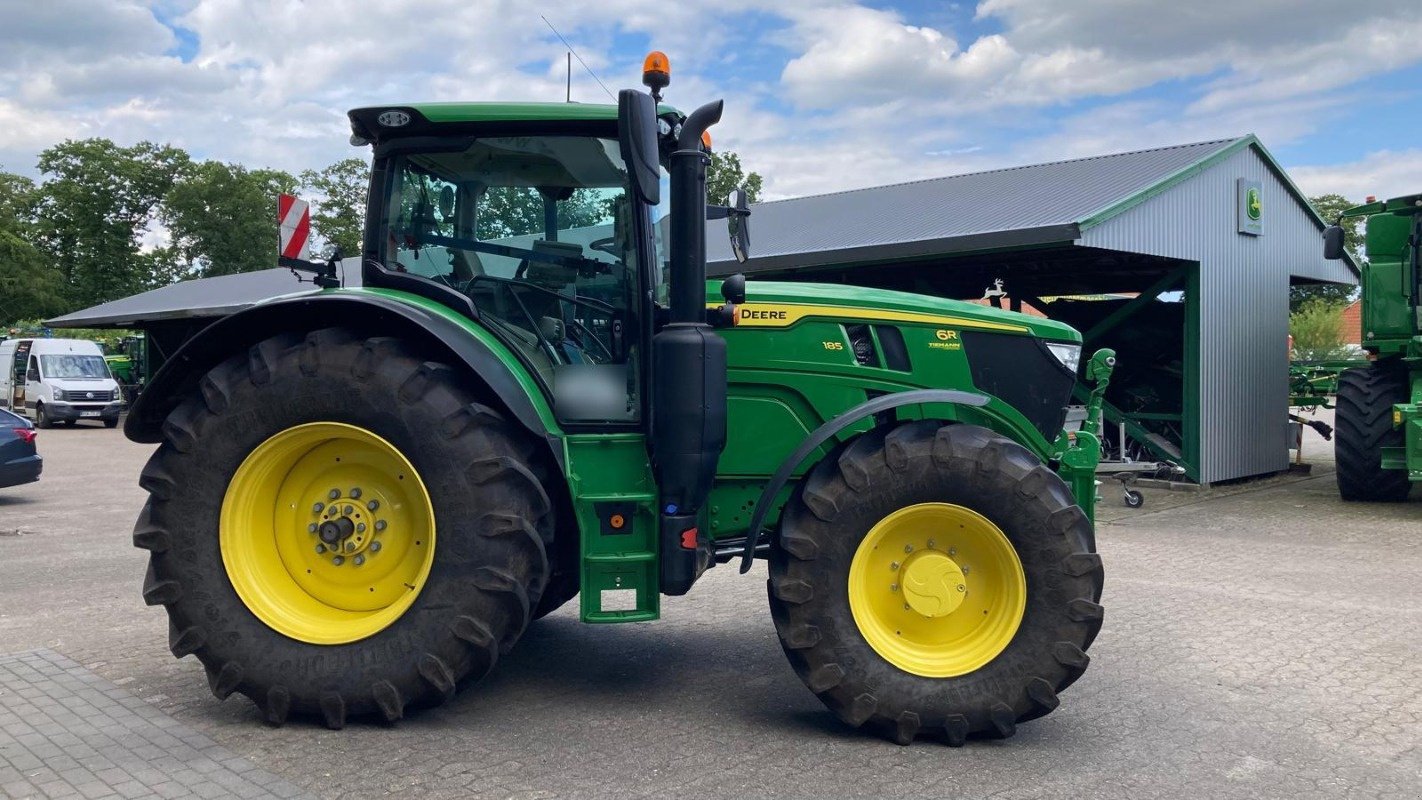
606, 246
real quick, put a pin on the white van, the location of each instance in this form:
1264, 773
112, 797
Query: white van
58, 380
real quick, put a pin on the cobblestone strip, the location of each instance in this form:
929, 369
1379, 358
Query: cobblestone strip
67, 733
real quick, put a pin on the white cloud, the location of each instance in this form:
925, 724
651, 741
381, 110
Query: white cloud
843, 95
1384, 173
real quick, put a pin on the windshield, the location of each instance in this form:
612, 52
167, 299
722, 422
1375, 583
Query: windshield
72, 366
538, 232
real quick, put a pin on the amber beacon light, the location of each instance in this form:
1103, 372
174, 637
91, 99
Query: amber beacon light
656, 73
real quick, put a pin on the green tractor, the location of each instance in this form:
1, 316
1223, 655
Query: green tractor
363, 496
1378, 436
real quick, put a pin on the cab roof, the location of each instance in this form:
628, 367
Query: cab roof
367, 122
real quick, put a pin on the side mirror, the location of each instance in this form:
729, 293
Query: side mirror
738, 224
1333, 243
733, 289
637, 135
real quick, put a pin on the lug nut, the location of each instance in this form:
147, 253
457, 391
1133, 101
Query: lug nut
965, 570
930, 542
348, 510
908, 548
894, 565
372, 505
379, 525
952, 551
360, 527
350, 546
311, 528
316, 509
359, 560
334, 493
320, 548
893, 587
338, 560
355, 493
375, 547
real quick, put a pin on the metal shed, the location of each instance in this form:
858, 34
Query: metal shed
1180, 257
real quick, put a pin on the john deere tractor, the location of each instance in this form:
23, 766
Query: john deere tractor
1378, 439
363, 496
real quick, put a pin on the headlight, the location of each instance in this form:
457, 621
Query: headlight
1068, 354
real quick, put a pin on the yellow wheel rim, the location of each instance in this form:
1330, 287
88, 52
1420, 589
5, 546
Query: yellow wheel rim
327, 533
937, 590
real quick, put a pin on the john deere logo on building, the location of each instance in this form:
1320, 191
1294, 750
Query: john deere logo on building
1250, 206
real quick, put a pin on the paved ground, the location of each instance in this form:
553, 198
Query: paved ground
65, 732
1261, 641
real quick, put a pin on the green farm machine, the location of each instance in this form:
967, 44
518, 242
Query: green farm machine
1378, 437
362, 496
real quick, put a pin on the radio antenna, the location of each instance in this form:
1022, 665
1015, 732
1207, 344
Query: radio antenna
580, 61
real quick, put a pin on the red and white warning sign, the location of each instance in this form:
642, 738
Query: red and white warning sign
294, 216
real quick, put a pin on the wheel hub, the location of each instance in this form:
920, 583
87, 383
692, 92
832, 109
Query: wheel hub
933, 584
347, 526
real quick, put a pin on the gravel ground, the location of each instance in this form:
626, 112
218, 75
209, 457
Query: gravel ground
1261, 640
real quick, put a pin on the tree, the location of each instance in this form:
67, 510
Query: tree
222, 218
30, 286
725, 174
1329, 206
1317, 330
337, 195
94, 209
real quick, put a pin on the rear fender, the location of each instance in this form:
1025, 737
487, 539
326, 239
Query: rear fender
443, 333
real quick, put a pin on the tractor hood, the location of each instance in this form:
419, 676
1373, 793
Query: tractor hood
787, 301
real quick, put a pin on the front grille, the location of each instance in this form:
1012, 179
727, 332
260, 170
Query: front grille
1022, 372
85, 395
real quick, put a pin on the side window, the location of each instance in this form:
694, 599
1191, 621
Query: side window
538, 233
34, 368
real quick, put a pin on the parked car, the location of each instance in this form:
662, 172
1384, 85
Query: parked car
58, 380
19, 461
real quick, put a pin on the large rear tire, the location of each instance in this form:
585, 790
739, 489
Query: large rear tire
267, 458
1362, 428
935, 581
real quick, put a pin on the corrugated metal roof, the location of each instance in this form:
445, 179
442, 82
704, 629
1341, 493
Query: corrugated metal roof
201, 297
1046, 198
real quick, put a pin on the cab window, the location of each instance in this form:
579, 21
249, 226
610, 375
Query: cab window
537, 232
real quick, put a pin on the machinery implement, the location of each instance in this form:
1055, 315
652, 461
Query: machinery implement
1378, 420
362, 496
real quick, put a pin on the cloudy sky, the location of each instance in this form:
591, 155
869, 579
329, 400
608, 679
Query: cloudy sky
821, 95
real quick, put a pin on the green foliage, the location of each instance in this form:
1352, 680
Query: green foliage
725, 174
337, 195
1317, 331
94, 207
222, 219
34, 327
29, 285
1329, 206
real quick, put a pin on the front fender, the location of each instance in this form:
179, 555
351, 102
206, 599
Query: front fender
443, 332
825, 432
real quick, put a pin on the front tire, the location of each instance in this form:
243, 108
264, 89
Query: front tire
1362, 428
42, 418
912, 518
236, 536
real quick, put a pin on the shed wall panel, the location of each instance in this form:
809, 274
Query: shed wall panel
1244, 307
